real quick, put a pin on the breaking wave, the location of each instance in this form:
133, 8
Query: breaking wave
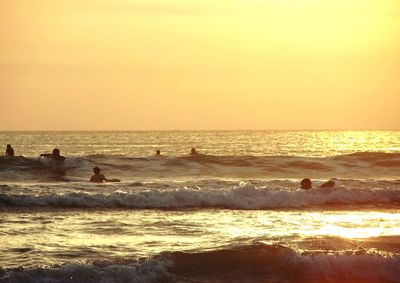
244, 196
252, 263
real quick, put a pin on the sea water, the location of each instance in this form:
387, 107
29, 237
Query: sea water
232, 213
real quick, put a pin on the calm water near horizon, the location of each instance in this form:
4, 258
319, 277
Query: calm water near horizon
257, 143
233, 213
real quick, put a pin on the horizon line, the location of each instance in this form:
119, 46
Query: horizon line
198, 130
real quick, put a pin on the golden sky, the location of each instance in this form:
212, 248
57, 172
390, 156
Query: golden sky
199, 64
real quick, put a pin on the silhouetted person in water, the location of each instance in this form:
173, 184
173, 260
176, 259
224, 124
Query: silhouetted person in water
9, 150
158, 152
97, 177
193, 151
306, 184
56, 165
100, 178
328, 185
55, 155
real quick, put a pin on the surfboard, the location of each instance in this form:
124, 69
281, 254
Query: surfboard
74, 179
78, 179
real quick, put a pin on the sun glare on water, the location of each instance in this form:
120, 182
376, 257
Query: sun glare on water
344, 224
353, 225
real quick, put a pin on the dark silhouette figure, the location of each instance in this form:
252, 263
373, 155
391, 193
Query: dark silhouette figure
55, 155
100, 178
306, 184
9, 150
328, 185
56, 164
158, 152
193, 151
97, 177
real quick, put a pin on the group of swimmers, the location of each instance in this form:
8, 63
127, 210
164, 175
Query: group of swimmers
193, 151
97, 177
305, 184
55, 155
59, 159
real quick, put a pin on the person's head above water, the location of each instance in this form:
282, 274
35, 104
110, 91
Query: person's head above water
328, 185
193, 151
306, 184
158, 152
56, 152
96, 170
9, 150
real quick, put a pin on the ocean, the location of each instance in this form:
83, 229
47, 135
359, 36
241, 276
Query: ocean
232, 213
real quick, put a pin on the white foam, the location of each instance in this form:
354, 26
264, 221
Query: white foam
245, 196
340, 268
147, 272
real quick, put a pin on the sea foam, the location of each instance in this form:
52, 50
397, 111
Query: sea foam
244, 196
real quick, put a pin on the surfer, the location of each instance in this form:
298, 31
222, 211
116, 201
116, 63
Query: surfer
55, 155
193, 151
100, 178
56, 164
9, 151
158, 152
306, 184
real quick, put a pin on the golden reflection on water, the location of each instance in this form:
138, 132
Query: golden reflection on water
356, 225
362, 224
335, 142
61, 236
232, 143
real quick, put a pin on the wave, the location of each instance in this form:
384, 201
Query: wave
361, 164
244, 196
281, 264
146, 271
252, 263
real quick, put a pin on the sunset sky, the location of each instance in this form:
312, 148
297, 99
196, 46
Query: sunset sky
199, 64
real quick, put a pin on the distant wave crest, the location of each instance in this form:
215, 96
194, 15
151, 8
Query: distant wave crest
361, 164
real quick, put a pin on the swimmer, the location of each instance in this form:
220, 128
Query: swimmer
306, 184
9, 151
193, 151
56, 163
158, 152
55, 155
100, 178
328, 185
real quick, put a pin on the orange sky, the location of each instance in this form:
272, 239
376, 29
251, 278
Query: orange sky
199, 64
